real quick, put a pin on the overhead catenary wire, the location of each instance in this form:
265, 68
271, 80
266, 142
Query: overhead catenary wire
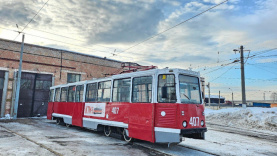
31, 19
69, 37
58, 41
173, 26
223, 73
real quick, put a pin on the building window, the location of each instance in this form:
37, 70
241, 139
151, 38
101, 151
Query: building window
73, 77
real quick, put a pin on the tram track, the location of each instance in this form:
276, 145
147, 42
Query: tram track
32, 141
245, 132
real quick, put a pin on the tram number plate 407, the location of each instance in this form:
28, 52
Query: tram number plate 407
194, 121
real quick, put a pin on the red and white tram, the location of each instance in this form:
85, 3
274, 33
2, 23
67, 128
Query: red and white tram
159, 105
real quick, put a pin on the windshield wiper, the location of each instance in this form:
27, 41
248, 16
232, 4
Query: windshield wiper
186, 96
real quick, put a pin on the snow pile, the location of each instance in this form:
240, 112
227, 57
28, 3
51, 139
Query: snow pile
250, 118
7, 116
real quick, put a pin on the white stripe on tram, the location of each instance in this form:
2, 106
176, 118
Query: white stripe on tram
106, 122
61, 115
170, 130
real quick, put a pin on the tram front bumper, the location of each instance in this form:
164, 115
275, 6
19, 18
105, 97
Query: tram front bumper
193, 130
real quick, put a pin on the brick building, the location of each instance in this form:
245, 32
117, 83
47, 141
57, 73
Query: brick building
43, 67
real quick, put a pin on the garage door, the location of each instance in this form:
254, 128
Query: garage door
34, 94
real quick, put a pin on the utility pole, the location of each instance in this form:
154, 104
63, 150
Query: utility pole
242, 77
241, 50
232, 97
219, 100
209, 94
18, 80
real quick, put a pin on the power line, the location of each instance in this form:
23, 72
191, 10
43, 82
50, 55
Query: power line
174, 26
262, 52
266, 70
57, 57
32, 19
58, 41
68, 37
223, 73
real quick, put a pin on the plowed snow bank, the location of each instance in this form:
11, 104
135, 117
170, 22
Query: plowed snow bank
250, 118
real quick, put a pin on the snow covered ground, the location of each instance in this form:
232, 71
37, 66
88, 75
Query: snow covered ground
38, 136
262, 119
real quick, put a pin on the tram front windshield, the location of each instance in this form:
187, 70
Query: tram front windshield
189, 89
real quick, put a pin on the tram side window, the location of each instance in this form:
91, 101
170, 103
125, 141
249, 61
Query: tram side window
79, 93
91, 93
71, 94
104, 91
57, 95
51, 95
121, 90
142, 89
166, 88
64, 94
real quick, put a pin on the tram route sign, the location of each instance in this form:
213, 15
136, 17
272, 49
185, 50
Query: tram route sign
95, 109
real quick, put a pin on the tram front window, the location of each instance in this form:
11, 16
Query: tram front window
189, 89
166, 89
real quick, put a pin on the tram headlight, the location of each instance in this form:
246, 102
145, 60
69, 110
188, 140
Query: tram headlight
202, 123
185, 124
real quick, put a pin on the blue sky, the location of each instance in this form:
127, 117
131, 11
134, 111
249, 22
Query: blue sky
102, 27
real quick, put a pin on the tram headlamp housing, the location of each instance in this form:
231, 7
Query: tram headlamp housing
202, 123
184, 124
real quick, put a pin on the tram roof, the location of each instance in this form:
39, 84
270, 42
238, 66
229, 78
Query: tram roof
135, 74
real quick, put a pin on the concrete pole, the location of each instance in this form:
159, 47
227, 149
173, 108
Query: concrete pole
18, 80
209, 94
242, 78
219, 100
232, 99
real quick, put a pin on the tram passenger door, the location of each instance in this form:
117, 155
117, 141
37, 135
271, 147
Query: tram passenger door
141, 121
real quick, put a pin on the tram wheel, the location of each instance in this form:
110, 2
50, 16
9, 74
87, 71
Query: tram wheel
126, 137
58, 121
107, 130
67, 125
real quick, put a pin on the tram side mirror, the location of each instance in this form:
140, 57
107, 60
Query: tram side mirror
164, 92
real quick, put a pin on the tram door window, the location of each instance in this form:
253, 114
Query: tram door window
64, 94
166, 88
91, 93
104, 91
51, 95
71, 94
57, 95
142, 89
79, 93
121, 90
